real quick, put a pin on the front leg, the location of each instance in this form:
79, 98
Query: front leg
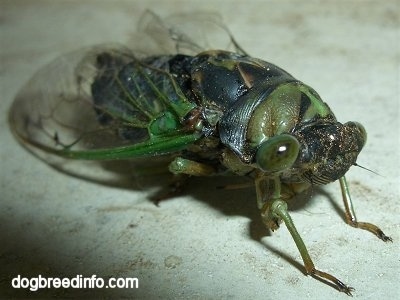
273, 211
351, 217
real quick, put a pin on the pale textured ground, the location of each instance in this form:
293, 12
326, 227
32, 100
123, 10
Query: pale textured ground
207, 244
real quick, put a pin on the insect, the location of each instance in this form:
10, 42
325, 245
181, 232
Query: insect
210, 112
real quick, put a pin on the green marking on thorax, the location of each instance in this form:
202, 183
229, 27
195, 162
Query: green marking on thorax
317, 107
279, 112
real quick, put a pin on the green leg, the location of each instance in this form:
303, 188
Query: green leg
279, 210
351, 217
274, 210
189, 167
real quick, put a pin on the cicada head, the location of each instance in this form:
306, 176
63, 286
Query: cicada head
318, 153
328, 150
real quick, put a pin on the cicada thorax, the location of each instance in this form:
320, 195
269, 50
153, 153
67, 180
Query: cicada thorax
272, 122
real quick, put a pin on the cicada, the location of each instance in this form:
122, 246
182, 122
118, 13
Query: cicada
207, 111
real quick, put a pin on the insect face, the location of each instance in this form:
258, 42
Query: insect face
328, 150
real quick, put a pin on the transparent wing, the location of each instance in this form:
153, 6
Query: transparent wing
102, 103
51, 109
187, 34
108, 96
99, 105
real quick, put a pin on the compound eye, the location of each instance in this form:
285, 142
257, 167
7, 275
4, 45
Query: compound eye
277, 153
358, 132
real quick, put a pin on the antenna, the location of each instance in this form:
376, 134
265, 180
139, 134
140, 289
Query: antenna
357, 165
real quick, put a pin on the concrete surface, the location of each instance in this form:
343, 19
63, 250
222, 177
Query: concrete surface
208, 243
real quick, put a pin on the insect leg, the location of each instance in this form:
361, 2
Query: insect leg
279, 210
185, 166
274, 209
351, 217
